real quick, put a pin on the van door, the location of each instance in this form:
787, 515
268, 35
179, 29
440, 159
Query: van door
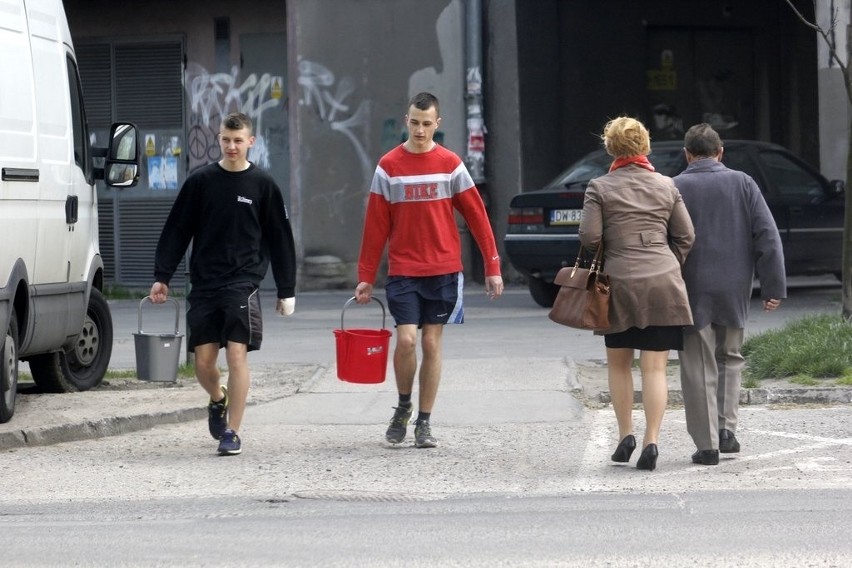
56, 175
18, 150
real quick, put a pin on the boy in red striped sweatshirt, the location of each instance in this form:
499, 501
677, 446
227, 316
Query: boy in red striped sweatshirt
416, 189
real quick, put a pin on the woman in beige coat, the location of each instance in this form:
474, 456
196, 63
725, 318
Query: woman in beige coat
639, 217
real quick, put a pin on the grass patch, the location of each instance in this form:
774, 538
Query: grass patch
814, 346
186, 371
805, 380
122, 293
120, 374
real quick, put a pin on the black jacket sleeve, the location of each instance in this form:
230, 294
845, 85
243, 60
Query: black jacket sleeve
278, 235
175, 237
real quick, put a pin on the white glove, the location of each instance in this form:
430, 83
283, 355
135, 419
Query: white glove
285, 306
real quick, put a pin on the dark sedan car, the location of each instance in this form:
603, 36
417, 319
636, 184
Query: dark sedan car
542, 234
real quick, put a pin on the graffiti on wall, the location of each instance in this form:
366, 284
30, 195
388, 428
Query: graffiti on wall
331, 99
214, 95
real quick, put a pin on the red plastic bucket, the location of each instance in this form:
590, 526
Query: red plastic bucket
362, 354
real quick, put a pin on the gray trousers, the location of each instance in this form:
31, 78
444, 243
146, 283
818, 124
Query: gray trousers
711, 376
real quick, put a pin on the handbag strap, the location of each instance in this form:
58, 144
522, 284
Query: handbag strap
597, 261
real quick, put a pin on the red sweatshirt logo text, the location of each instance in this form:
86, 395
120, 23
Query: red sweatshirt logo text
420, 191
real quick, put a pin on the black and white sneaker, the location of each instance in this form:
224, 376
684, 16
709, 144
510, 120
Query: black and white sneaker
217, 416
398, 424
423, 437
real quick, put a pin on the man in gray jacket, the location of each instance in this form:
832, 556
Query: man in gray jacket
735, 238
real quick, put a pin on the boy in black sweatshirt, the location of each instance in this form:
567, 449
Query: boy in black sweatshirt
234, 215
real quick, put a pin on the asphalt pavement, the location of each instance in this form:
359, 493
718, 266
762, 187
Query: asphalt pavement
543, 385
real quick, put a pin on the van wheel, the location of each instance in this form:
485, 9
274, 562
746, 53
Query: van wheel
9, 370
84, 365
544, 293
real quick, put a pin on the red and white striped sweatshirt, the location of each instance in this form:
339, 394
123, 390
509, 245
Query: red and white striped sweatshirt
411, 209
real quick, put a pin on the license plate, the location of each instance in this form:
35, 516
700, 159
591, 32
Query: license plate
565, 216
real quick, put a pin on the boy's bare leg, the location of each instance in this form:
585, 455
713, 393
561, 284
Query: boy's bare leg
239, 379
206, 370
405, 357
430, 369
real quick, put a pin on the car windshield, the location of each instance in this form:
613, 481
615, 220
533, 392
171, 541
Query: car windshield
581, 172
667, 161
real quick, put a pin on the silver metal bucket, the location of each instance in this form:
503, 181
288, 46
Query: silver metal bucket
157, 354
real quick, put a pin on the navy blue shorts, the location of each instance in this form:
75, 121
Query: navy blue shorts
230, 313
425, 299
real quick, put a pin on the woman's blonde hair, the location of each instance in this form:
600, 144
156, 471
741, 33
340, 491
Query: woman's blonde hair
625, 137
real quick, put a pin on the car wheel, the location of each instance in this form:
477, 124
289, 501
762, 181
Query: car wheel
544, 293
84, 365
9, 370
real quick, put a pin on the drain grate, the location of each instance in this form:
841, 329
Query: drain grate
365, 496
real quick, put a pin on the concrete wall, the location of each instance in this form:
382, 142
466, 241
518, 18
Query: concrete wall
504, 140
355, 66
553, 70
834, 109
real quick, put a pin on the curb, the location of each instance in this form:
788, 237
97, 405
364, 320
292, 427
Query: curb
804, 395
111, 426
761, 396
180, 402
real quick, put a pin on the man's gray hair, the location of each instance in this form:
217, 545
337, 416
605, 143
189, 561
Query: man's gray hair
702, 141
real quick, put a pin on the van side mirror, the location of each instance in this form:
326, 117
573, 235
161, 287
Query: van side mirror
121, 159
838, 186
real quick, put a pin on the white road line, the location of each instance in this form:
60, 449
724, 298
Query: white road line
841, 441
602, 432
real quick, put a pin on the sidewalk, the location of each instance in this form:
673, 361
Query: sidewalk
126, 405
119, 406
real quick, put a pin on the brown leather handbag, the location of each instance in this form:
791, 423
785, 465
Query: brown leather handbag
583, 298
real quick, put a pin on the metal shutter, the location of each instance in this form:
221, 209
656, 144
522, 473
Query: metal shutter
139, 82
141, 224
94, 62
149, 84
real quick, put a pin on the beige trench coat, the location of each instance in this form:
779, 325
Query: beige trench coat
647, 233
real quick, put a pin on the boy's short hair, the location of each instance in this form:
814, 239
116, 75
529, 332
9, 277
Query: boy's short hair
424, 101
237, 121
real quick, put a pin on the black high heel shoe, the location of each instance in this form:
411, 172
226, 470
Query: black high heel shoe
624, 449
648, 459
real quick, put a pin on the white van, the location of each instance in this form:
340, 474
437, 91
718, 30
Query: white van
52, 312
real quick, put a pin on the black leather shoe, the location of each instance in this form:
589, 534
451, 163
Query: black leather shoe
728, 443
624, 449
706, 457
648, 459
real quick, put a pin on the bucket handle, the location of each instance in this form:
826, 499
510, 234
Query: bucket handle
352, 299
148, 299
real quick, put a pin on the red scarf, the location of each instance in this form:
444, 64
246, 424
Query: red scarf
641, 161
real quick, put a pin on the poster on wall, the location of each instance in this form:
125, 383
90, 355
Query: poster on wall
162, 173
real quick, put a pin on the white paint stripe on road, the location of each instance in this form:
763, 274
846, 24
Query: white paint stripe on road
795, 436
598, 448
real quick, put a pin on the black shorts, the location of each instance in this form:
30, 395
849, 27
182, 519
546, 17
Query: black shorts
425, 299
651, 338
230, 313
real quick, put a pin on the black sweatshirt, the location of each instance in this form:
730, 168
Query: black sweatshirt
237, 223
